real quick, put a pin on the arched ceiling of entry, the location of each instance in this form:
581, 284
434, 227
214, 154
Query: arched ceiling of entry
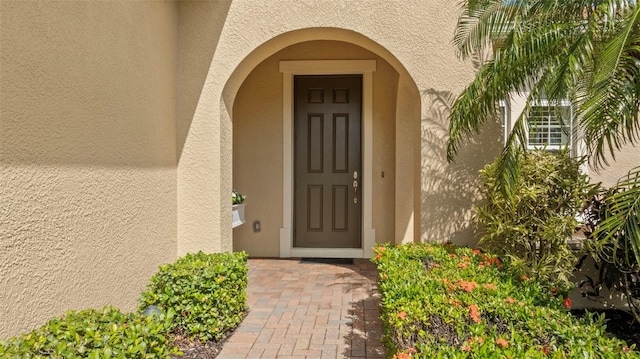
284, 40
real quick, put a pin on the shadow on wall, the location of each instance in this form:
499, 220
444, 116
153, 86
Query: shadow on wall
449, 190
200, 25
95, 82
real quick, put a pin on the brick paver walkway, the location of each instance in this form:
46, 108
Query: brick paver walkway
309, 310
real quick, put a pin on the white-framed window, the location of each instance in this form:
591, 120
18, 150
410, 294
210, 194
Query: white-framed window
550, 126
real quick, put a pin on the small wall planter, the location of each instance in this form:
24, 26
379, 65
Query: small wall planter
237, 217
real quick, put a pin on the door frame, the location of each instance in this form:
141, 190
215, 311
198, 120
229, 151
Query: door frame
327, 67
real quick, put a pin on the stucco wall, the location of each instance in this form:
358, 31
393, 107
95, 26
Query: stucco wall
257, 141
625, 160
203, 128
87, 155
413, 36
257, 159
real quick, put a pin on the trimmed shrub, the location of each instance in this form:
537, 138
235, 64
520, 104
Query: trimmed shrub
443, 301
94, 333
206, 291
530, 227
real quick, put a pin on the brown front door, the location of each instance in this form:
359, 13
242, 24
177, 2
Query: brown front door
327, 167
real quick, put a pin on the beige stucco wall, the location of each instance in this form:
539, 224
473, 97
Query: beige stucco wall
625, 160
584, 295
87, 155
203, 127
257, 159
257, 141
414, 37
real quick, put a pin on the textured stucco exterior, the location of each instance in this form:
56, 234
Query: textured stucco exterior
625, 160
87, 155
203, 132
124, 125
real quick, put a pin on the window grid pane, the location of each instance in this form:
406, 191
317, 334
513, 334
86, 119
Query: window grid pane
548, 127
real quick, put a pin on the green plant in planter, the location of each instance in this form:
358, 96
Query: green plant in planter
531, 227
237, 198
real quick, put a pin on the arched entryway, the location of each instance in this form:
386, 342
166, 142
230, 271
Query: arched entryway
259, 101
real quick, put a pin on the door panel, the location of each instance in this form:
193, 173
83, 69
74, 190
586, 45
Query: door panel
327, 161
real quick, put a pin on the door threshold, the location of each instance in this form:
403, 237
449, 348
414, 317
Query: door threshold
327, 252
335, 261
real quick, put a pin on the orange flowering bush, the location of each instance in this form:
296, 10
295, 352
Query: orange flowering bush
502, 343
489, 286
402, 355
474, 314
443, 301
467, 286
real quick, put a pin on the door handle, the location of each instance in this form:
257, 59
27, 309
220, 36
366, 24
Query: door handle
355, 187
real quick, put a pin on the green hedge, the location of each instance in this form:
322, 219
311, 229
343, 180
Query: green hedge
94, 333
202, 295
206, 291
442, 301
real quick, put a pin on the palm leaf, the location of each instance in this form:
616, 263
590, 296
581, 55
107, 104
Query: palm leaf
534, 56
609, 111
623, 220
481, 22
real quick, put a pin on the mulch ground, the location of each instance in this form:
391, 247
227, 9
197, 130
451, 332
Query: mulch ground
195, 349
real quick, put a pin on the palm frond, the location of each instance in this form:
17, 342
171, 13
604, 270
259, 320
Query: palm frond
507, 164
623, 220
541, 55
481, 22
610, 95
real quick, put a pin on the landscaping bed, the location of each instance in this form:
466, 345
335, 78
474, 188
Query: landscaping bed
443, 301
201, 298
619, 323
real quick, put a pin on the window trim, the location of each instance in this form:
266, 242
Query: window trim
505, 120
